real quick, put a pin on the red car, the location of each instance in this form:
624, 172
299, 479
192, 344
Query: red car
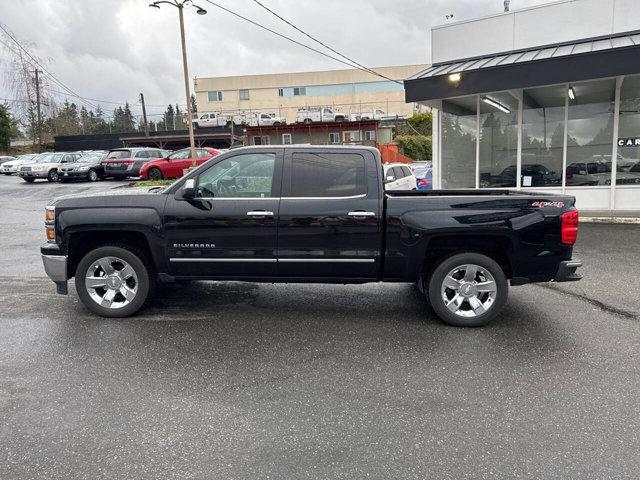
174, 165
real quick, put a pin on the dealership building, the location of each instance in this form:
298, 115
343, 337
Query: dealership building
544, 98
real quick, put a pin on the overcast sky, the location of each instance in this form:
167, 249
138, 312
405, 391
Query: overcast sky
114, 49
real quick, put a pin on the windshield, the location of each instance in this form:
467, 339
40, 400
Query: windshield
49, 158
119, 154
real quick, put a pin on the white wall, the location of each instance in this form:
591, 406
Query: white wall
561, 21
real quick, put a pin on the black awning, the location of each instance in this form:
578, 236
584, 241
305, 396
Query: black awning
551, 64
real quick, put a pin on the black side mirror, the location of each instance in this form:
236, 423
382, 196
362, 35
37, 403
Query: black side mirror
189, 189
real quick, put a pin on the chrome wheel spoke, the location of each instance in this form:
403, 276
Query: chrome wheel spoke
105, 264
470, 273
95, 282
126, 272
455, 303
127, 293
451, 283
486, 287
107, 299
477, 306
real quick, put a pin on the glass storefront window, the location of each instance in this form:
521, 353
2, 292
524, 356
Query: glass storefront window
628, 171
498, 139
590, 133
543, 136
459, 134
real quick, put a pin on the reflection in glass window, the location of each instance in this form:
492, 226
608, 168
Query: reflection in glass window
628, 171
590, 132
498, 139
543, 136
459, 134
327, 175
248, 175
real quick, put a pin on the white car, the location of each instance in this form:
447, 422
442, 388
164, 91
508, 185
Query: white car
11, 167
376, 114
266, 119
398, 176
46, 166
319, 114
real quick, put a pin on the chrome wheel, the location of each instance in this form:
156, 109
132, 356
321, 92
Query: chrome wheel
93, 175
111, 282
468, 290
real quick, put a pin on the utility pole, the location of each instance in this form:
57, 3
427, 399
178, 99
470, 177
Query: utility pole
186, 89
39, 119
144, 115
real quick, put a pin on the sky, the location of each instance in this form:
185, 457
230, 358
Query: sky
111, 50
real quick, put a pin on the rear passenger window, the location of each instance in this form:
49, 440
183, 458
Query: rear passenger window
327, 175
398, 173
142, 155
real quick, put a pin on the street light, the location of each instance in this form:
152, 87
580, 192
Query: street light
181, 5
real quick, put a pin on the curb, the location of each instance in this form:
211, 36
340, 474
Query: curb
611, 220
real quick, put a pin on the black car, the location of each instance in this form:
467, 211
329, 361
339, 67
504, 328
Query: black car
309, 214
533, 175
88, 167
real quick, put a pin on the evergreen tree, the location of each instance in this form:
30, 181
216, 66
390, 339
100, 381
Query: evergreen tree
8, 127
194, 104
168, 118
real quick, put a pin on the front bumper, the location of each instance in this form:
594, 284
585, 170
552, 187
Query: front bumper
55, 266
567, 271
33, 174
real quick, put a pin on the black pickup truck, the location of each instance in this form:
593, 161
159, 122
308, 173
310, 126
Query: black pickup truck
309, 214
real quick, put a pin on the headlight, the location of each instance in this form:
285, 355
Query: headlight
82, 169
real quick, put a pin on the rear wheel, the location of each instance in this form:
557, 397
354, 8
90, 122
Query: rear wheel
155, 174
307, 121
114, 280
53, 176
92, 175
467, 290
340, 119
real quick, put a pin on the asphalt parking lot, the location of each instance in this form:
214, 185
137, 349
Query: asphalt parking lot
234, 380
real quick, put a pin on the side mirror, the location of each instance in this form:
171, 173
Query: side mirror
189, 189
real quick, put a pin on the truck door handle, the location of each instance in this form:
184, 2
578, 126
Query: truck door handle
360, 213
259, 213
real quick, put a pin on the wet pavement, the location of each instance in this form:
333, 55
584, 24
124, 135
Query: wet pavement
236, 380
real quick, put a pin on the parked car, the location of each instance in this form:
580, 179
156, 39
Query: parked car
309, 214
47, 166
423, 173
88, 167
6, 158
174, 165
319, 114
398, 176
121, 163
11, 167
597, 173
531, 174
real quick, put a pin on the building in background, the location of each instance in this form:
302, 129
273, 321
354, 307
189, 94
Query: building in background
366, 132
350, 91
545, 98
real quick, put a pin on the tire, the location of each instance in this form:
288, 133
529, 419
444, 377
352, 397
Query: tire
468, 307
339, 119
155, 174
53, 176
29, 180
276, 124
307, 121
92, 175
140, 282
7, 174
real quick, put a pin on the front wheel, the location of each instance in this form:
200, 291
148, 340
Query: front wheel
155, 174
114, 280
53, 176
467, 290
92, 175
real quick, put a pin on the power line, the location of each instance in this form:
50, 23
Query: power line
286, 37
37, 63
362, 67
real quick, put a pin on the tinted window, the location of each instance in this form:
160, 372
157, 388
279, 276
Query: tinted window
398, 173
327, 175
179, 155
142, 154
243, 176
119, 154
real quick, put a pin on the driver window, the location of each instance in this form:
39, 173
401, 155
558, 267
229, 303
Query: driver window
248, 175
180, 155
